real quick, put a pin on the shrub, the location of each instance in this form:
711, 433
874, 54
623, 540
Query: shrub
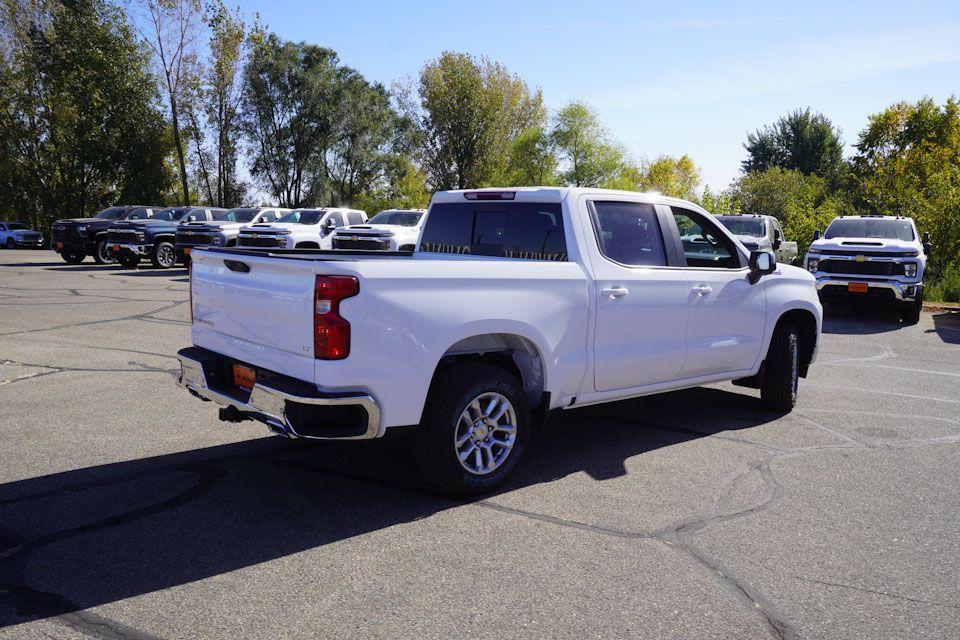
946, 288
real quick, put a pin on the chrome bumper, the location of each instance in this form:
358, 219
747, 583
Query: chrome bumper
136, 249
268, 404
901, 291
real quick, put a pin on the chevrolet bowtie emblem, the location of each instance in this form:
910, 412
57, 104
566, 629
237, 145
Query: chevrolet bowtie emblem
355, 238
860, 258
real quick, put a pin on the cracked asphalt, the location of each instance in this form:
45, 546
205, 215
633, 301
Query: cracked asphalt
127, 510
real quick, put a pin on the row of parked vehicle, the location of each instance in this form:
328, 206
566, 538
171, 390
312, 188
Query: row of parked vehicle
166, 236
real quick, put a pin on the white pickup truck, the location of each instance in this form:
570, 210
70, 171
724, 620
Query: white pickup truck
518, 302
390, 230
871, 259
300, 229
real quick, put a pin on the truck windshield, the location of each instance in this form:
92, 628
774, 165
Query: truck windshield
303, 216
743, 226
870, 228
174, 213
113, 213
236, 215
525, 230
14, 226
400, 218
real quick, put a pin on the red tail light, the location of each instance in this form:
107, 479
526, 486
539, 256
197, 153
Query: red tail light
331, 332
490, 195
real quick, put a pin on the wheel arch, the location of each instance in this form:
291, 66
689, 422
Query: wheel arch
807, 332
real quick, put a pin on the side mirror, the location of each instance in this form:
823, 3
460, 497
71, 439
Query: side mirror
816, 235
761, 263
777, 238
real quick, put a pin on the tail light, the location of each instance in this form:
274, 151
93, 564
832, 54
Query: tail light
490, 195
331, 332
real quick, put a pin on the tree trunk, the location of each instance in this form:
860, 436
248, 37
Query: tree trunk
180, 156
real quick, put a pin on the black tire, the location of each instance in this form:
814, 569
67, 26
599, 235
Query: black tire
72, 258
407, 247
11, 243
778, 391
128, 260
164, 255
910, 311
449, 397
103, 254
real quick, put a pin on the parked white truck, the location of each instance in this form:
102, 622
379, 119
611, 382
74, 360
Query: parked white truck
390, 230
518, 302
871, 259
300, 229
223, 230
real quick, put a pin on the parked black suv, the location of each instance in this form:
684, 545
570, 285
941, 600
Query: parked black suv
131, 240
76, 238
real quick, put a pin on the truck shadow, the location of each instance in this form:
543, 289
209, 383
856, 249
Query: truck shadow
860, 320
947, 326
74, 540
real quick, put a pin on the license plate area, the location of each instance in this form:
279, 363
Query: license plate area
186, 251
857, 287
244, 377
116, 247
58, 245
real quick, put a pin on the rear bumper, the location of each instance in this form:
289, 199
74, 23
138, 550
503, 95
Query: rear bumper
877, 290
290, 407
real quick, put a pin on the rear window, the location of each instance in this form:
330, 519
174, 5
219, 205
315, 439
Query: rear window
867, 228
519, 230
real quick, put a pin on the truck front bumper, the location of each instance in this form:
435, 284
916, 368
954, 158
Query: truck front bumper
135, 249
290, 407
830, 287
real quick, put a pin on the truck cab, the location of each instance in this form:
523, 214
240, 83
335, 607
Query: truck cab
300, 229
153, 238
390, 230
762, 232
878, 260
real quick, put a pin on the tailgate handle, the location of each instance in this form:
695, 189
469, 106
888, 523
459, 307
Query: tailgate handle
236, 265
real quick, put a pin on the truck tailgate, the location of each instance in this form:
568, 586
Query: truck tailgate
255, 308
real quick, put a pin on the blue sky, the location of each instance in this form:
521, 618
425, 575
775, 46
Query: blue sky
666, 77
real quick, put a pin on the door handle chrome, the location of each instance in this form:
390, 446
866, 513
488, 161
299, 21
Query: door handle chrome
702, 290
615, 292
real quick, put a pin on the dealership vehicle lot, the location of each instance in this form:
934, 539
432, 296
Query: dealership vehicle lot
127, 509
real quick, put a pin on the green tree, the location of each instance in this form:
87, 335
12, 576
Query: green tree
79, 123
676, 177
532, 160
801, 140
465, 116
590, 158
402, 186
908, 163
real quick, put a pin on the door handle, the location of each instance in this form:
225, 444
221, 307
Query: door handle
614, 292
702, 290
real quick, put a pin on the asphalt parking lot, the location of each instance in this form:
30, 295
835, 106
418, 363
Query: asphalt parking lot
127, 510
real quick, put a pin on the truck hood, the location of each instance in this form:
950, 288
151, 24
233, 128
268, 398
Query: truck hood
878, 245
213, 225
377, 230
275, 226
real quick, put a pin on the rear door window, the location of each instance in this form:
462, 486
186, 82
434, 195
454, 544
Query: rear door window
628, 233
518, 230
355, 217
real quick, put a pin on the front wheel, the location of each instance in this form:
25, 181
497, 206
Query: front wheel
11, 243
910, 311
164, 256
781, 374
128, 260
475, 427
103, 254
72, 258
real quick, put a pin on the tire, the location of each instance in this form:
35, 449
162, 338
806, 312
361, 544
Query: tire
457, 394
11, 243
781, 375
164, 256
128, 260
72, 258
407, 247
910, 311
103, 254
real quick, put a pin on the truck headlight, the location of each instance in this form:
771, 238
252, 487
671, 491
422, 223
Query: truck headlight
812, 264
910, 269
81, 228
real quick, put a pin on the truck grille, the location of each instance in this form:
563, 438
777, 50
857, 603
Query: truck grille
62, 232
127, 236
262, 240
195, 238
370, 244
867, 268
31, 237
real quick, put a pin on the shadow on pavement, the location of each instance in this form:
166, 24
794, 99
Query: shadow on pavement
33, 264
78, 539
947, 326
860, 320
150, 272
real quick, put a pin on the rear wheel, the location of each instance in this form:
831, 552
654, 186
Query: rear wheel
72, 258
910, 311
475, 427
781, 374
164, 256
129, 260
11, 243
103, 254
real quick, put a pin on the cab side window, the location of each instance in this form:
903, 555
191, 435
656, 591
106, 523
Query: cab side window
629, 233
337, 219
355, 217
703, 245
